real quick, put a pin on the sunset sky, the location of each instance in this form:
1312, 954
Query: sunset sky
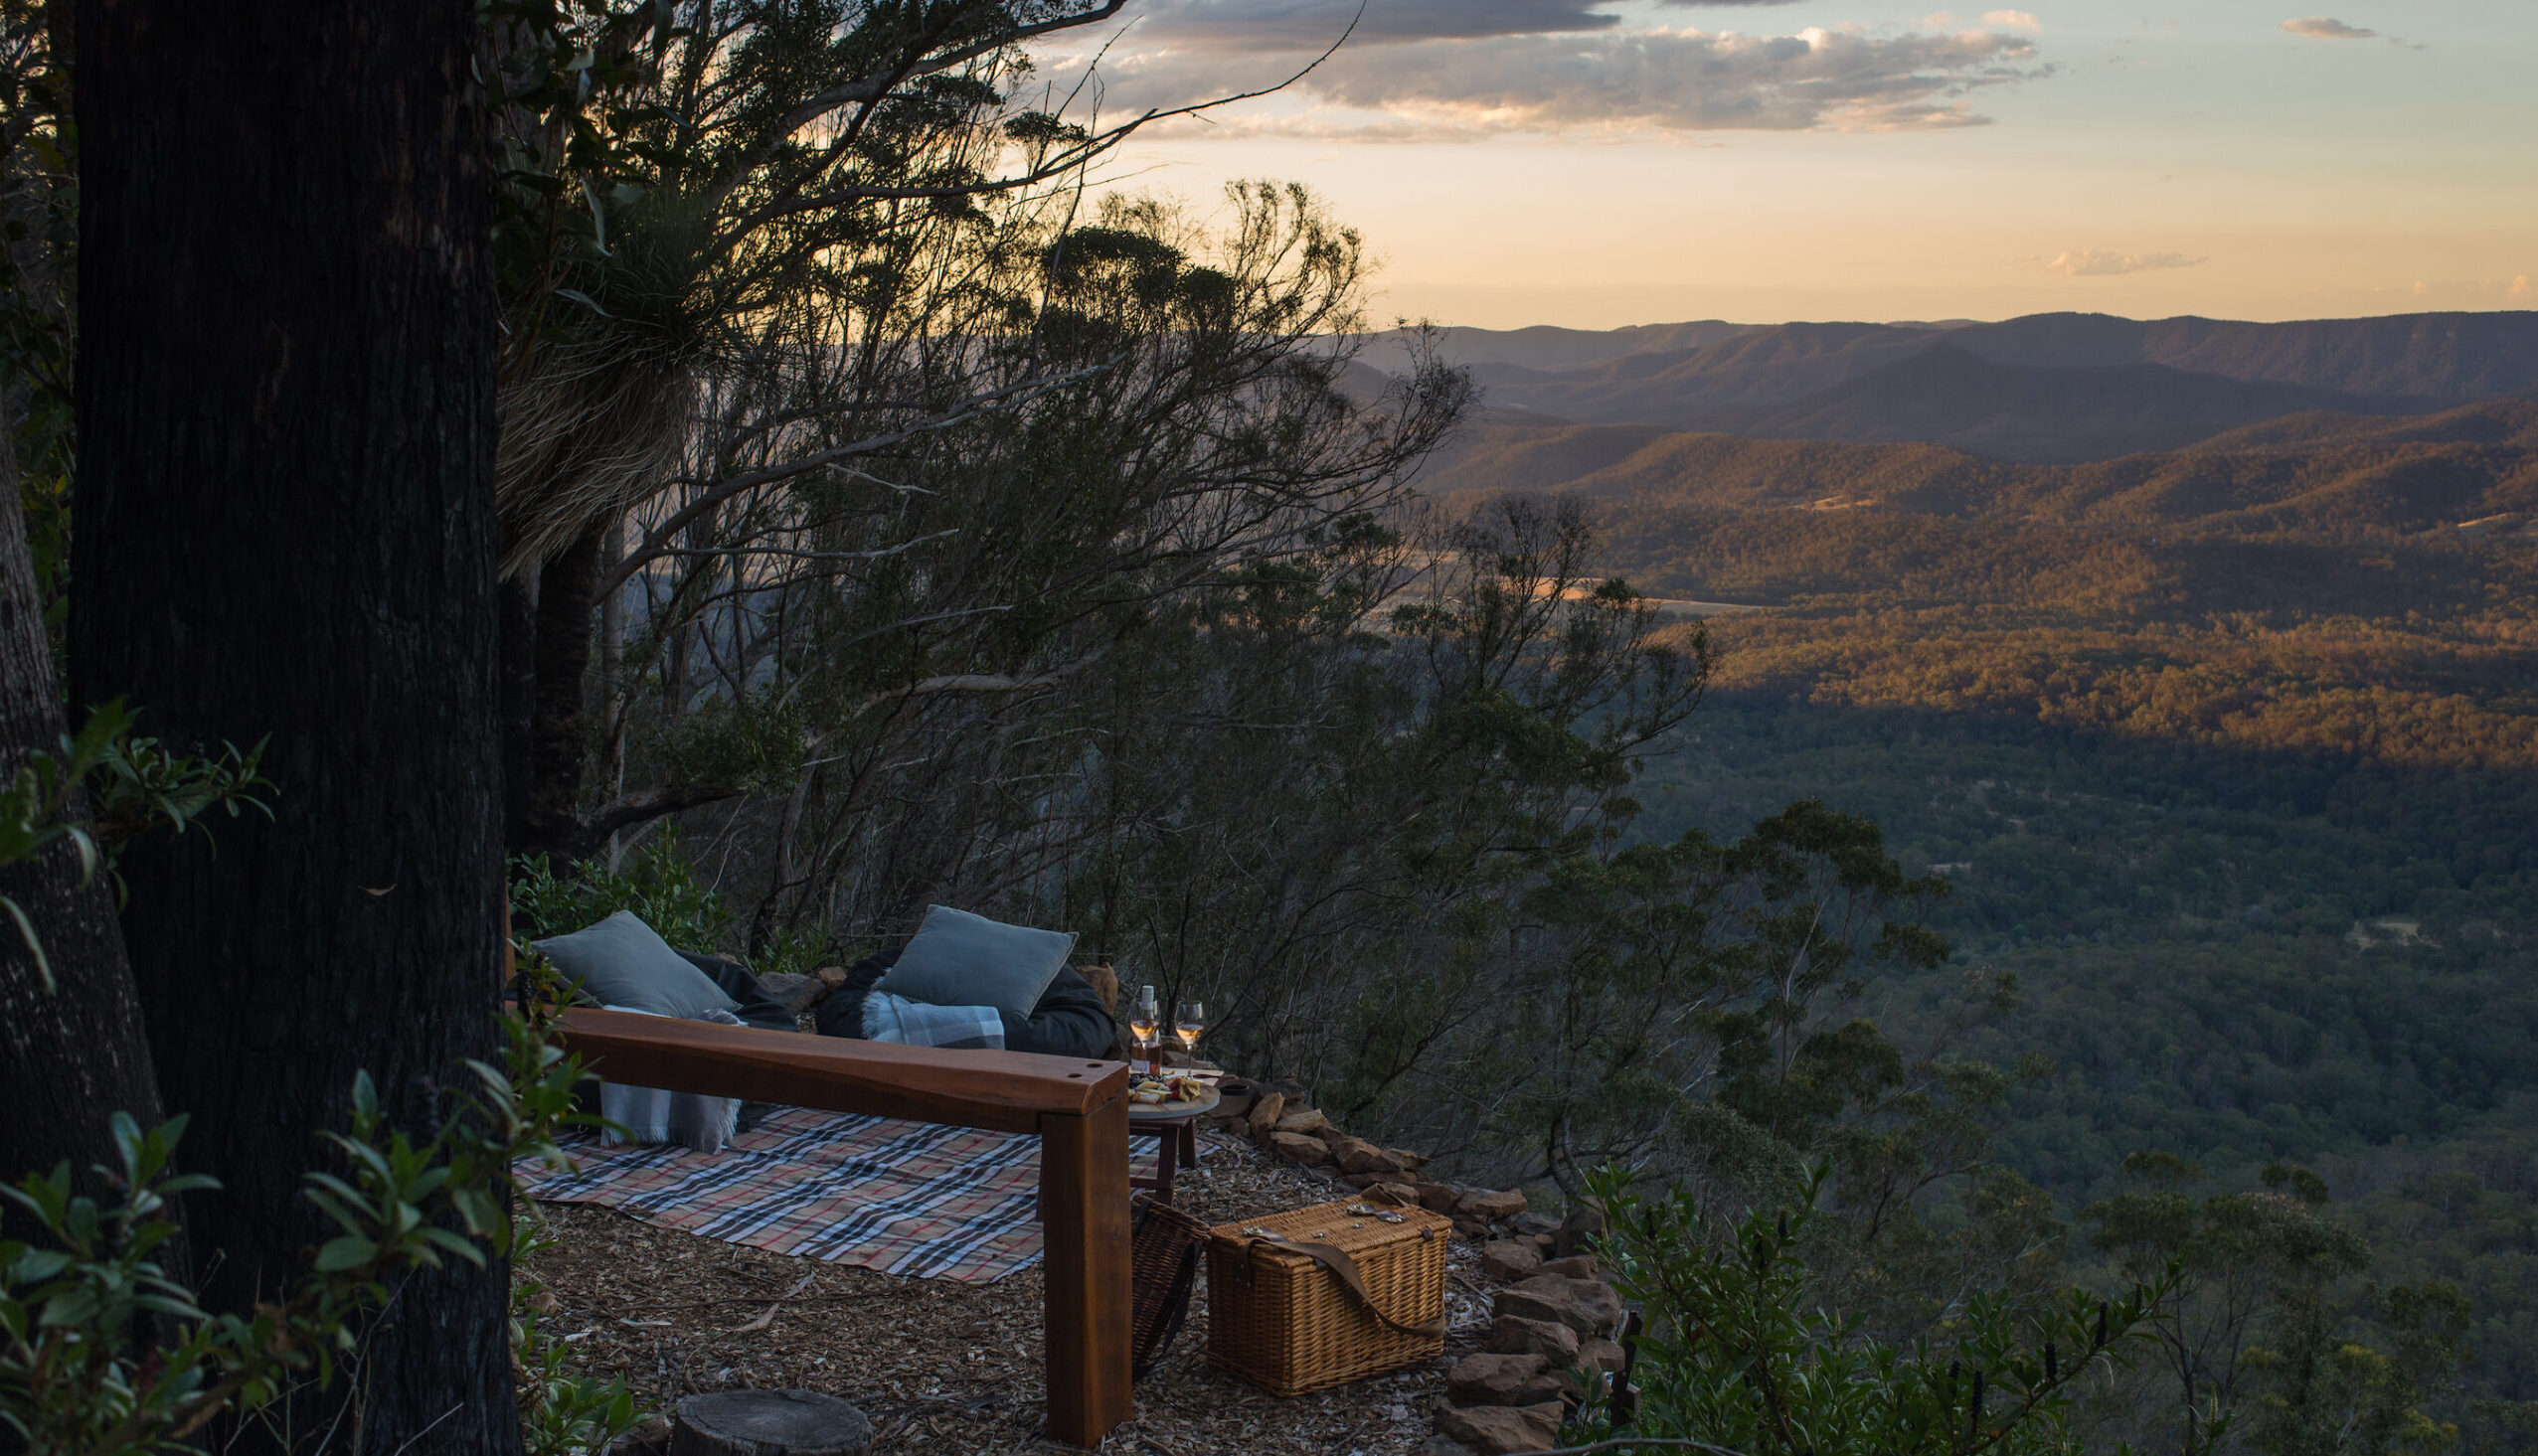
1597, 164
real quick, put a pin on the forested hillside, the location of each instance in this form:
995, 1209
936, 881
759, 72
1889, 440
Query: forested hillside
2226, 753
2045, 388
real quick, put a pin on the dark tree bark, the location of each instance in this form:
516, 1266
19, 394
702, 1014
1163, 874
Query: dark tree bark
519, 705
71, 1058
286, 527
559, 741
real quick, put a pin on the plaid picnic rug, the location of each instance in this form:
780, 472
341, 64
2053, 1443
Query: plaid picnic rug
904, 1197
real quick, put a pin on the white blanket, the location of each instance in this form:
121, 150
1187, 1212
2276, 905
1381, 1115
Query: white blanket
652, 1115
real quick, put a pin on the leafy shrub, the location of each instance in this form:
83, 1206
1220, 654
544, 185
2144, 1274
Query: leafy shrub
655, 881
78, 1375
1738, 1352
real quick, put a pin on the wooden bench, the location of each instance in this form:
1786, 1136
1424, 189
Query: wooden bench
1078, 1109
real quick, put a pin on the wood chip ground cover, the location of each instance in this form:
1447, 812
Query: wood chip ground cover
949, 1367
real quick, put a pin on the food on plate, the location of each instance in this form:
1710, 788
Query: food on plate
1152, 1091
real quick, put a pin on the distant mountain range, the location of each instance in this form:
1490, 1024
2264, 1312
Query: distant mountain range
2320, 476
2049, 388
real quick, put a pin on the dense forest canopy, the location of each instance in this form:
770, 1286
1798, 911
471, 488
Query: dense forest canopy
2224, 754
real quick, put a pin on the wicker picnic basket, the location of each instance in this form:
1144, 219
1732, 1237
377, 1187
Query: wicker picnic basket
1327, 1295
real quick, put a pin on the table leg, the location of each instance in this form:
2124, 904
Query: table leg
1083, 1192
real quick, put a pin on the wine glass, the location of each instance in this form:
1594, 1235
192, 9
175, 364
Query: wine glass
1187, 1025
1145, 1020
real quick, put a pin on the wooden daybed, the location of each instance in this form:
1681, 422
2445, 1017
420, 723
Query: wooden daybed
1078, 1109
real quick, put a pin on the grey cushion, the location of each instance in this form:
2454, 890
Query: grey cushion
622, 962
961, 959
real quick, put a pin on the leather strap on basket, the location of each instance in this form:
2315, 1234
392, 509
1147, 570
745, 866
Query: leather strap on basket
1344, 1269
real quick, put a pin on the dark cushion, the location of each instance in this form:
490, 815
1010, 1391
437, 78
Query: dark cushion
620, 961
1070, 1021
956, 958
748, 1002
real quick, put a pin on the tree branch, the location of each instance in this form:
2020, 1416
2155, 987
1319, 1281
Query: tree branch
657, 540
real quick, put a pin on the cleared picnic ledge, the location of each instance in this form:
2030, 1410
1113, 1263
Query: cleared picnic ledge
1078, 1109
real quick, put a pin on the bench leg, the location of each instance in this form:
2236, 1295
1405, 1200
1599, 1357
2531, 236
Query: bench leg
1084, 1202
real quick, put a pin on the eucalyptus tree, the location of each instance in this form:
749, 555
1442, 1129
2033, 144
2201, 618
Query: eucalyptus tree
904, 653
728, 227
286, 529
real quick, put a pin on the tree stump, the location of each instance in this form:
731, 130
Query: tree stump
769, 1423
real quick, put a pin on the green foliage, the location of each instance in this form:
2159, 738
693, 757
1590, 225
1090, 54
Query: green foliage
2259, 1334
129, 783
83, 1367
563, 1412
655, 881
1740, 1350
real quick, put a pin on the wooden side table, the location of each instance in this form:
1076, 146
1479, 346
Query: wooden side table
1178, 1138
1176, 1132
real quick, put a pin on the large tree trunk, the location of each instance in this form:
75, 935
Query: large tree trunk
286, 527
72, 1057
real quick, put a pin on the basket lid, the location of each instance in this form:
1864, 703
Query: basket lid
1354, 1226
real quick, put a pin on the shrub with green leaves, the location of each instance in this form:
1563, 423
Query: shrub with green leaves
1739, 1353
131, 784
654, 880
82, 1297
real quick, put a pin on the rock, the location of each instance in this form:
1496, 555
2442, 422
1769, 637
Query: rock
1308, 1120
1575, 1267
831, 977
1601, 1355
1489, 1207
1510, 1258
1445, 1446
1472, 1229
1294, 1147
1356, 1155
769, 1423
1265, 1115
1492, 1379
1440, 1198
797, 993
1532, 1225
1293, 1093
1587, 1306
1359, 1179
1500, 1431
1399, 1194
1546, 1242
1583, 1222
1402, 1160
1516, 1335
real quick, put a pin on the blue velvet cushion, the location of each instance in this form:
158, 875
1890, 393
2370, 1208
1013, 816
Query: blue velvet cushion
620, 961
960, 960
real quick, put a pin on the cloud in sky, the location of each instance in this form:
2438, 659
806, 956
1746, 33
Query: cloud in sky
2015, 19
2100, 262
1314, 24
2318, 28
1466, 85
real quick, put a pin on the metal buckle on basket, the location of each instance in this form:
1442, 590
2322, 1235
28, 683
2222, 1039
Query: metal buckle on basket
1380, 1215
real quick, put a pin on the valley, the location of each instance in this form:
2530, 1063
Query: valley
2229, 752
